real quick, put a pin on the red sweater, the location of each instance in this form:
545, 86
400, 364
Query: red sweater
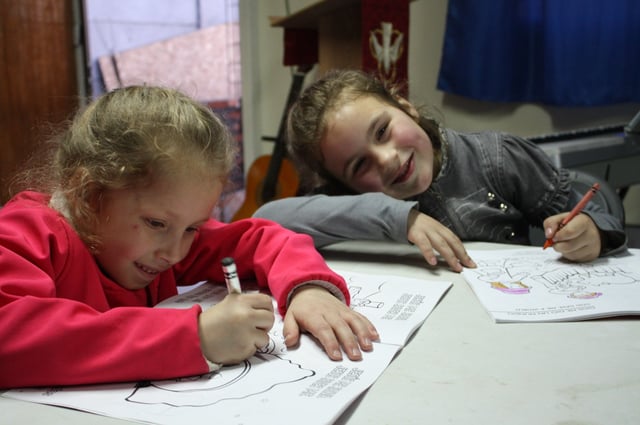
63, 322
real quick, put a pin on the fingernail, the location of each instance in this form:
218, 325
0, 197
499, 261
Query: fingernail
336, 354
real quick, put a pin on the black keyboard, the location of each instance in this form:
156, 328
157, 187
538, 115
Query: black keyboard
579, 134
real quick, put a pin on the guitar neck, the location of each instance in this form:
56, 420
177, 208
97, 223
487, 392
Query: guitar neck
279, 149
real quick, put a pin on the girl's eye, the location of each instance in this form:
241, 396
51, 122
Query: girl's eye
380, 133
155, 224
191, 229
359, 166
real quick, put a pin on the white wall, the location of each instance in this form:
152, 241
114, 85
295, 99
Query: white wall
266, 83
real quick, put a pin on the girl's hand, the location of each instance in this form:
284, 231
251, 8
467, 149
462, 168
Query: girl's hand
315, 310
428, 234
579, 240
232, 330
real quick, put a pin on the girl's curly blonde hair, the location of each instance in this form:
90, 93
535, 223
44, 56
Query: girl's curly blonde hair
127, 138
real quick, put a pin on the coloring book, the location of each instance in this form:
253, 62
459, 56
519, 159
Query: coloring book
534, 285
277, 385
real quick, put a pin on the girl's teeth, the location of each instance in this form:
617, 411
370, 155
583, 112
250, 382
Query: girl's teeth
146, 269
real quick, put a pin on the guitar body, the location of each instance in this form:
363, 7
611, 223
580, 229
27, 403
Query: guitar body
273, 176
286, 185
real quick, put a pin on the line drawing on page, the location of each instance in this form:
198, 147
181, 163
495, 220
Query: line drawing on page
361, 299
245, 380
520, 275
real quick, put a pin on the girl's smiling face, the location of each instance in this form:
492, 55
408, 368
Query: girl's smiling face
372, 146
145, 231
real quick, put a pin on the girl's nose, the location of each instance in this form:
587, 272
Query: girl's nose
385, 157
171, 251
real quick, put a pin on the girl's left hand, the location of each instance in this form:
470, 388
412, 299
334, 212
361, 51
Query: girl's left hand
579, 240
315, 310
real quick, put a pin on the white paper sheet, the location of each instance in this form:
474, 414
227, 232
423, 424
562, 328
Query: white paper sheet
275, 386
535, 285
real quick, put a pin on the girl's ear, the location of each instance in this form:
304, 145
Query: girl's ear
85, 191
408, 108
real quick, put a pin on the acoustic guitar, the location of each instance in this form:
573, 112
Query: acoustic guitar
273, 176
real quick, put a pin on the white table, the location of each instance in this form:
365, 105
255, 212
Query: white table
461, 368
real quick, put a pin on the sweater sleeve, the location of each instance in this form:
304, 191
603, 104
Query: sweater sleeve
552, 192
265, 252
54, 341
331, 219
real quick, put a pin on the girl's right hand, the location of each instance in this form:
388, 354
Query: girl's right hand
232, 330
429, 235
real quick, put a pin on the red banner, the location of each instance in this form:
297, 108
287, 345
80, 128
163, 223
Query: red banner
385, 39
300, 46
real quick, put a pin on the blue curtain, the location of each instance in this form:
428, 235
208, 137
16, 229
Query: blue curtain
556, 52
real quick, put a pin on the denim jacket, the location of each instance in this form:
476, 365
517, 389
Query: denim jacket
491, 187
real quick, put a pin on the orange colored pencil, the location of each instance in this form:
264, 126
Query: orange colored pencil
574, 212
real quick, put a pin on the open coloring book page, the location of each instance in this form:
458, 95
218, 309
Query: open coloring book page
535, 285
277, 385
